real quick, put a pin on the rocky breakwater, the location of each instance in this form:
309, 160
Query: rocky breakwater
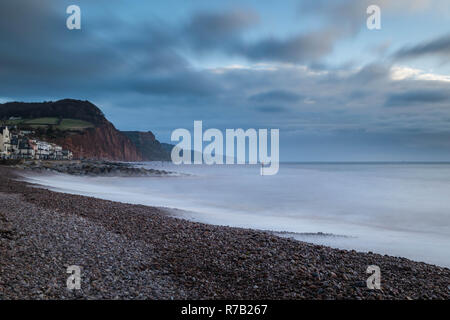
90, 168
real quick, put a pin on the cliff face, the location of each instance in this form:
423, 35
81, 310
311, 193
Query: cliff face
104, 142
150, 148
101, 141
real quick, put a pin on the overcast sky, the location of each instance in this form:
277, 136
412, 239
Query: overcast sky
336, 90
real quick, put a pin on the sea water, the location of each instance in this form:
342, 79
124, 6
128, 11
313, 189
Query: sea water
396, 209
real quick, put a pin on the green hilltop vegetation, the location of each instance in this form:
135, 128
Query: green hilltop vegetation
67, 113
54, 123
52, 119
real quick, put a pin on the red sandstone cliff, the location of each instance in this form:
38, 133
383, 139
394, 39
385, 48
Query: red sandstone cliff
103, 142
150, 148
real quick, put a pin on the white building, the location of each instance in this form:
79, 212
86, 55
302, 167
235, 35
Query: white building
43, 150
67, 155
20, 146
57, 152
5, 142
27, 150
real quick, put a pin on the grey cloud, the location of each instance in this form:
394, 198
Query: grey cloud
371, 73
417, 97
351, 14
184, 84
276, 96
36, 42
348, 15
224, 32
271, 109
38, 54
301, 48
214, 30
437, 47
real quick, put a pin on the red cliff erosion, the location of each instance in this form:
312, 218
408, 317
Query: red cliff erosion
104, 142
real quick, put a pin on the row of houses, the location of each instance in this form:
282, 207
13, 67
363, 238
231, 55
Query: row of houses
19, 145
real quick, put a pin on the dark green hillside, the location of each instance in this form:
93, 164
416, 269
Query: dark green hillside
45, 111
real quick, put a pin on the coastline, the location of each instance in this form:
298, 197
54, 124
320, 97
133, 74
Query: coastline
140, 252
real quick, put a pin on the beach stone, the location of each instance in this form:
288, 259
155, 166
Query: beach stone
139, 252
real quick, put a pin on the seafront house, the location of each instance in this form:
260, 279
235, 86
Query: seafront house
57, 152
43, 150
5, 142
67, 155
27, 149
14, 144
18, 145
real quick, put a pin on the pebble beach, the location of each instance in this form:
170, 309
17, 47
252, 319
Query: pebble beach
139, 252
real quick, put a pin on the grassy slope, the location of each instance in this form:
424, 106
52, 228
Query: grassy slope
64, 125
